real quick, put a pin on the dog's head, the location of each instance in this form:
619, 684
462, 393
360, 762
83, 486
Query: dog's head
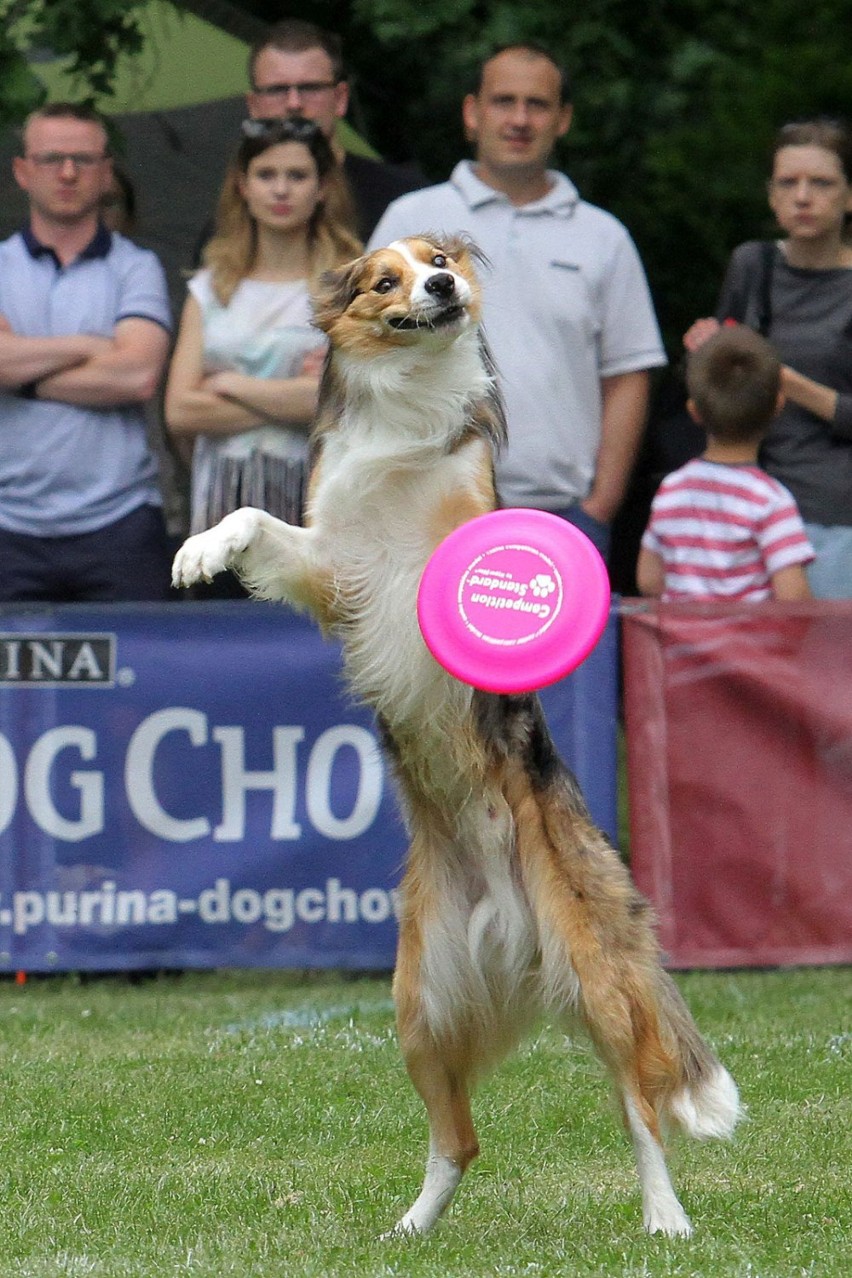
418, 289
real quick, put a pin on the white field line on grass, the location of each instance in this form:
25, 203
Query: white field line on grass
310, 1017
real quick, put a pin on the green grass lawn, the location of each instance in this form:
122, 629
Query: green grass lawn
255, 1123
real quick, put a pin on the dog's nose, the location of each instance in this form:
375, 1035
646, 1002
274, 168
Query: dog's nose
441, 286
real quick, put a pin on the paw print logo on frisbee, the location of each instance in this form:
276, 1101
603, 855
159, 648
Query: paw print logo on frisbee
542, 585
513, 600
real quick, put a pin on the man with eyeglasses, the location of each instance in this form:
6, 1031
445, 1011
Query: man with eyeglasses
84, 336
296, 69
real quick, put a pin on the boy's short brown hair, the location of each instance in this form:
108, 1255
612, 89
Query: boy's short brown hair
734, 380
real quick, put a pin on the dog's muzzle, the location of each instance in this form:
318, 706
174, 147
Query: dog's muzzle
444, 305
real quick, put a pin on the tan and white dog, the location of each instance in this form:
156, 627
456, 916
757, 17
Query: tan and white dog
514, 904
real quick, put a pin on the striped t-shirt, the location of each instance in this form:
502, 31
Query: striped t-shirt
722, 531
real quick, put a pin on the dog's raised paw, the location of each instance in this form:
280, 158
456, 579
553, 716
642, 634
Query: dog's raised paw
205, 554
200, 558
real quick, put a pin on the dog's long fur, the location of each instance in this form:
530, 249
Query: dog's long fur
514, 903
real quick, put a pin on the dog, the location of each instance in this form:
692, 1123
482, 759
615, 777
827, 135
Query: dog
513, 903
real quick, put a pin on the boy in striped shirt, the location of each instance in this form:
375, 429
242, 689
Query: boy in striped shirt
720, 527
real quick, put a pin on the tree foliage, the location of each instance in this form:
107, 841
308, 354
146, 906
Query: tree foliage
676, 101
676, 104
91, 34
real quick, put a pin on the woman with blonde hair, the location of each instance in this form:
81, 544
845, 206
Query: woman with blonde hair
245, 371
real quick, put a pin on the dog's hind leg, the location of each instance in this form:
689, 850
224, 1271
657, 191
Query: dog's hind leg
665, 1071
600, 960
661, 1209
625, 1031
440, 1067
452, 1138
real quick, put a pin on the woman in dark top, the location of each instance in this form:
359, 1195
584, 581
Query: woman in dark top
809, 448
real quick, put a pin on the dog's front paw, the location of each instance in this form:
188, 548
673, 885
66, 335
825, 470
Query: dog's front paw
201, 557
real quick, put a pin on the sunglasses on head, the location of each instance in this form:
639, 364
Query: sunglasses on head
281, 130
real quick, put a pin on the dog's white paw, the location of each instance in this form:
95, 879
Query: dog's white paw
402, 1229
669, 1219
440, 1183
201, 557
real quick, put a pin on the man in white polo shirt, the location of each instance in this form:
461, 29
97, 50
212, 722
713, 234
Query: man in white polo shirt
567, 310
84, 336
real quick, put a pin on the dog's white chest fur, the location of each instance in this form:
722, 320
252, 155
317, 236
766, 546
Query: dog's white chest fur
385, 473
376, 515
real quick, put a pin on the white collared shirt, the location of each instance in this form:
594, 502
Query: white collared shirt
565, 304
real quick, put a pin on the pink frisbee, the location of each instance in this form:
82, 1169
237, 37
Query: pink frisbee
513, 600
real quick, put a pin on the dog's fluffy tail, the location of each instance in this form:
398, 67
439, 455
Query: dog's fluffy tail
704, 1102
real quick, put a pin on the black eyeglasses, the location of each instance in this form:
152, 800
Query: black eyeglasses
281, 130
305, 89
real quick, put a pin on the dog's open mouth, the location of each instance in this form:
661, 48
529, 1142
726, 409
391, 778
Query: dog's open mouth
439, 319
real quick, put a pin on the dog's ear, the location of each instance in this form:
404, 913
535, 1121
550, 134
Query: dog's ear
463, 250
333, 293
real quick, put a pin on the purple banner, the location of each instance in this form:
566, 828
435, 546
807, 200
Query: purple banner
189, 785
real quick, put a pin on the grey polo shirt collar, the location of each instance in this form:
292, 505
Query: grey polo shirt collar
98, 246
560, 201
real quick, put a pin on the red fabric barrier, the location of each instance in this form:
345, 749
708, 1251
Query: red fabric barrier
739, 748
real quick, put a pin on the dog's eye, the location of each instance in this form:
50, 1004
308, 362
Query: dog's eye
384, 285
439, 260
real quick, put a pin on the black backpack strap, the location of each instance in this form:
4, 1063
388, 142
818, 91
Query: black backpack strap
766, 264
752, 295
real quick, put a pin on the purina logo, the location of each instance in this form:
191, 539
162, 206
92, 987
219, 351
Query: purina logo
47, 659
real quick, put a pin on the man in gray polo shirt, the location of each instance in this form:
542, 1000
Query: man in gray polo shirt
84, 336
566, 305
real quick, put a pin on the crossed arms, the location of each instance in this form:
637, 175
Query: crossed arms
228, 402
84, 370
